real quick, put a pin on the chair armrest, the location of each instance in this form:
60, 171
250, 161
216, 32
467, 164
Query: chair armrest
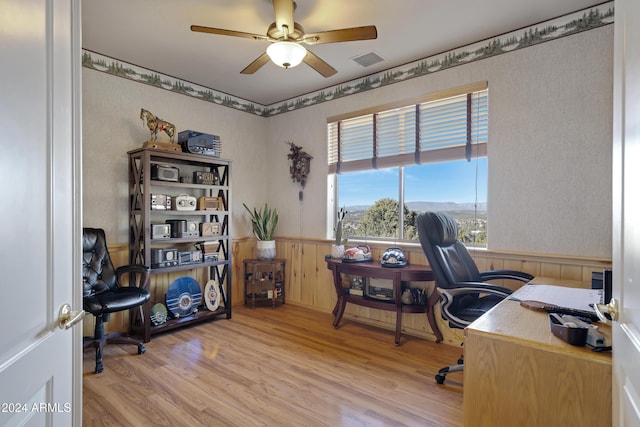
140, 272
462, 288
506, 274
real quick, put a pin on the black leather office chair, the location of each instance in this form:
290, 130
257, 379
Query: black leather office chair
464, 295
104, 295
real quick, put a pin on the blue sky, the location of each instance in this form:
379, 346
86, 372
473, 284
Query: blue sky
435, 182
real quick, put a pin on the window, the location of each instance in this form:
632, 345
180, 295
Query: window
429, 155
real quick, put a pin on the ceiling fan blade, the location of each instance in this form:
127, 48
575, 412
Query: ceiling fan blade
319, 65
344, 35
211, 30
256, 64
283, 10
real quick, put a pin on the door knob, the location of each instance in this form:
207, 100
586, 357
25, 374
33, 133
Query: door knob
611, 309
67, 318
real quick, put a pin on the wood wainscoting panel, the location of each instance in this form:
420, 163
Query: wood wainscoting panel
309, 280
550, 270
309, 283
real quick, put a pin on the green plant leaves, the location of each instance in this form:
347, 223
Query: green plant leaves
263, 221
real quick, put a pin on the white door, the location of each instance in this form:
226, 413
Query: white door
40, 221
626, 214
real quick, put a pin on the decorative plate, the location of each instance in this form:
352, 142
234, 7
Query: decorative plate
360, 253
183, 296
158, 314
212, 295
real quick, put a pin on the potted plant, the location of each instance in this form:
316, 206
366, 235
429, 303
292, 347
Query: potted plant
337, 249
264, 223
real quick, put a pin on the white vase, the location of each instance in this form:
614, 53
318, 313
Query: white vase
266, 249
337, 251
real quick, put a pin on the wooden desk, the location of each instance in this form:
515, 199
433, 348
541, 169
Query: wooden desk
516, 371
417, 273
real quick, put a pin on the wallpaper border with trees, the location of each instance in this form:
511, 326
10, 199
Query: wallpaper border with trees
566, 25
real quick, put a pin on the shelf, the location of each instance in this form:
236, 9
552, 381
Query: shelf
159, 183
176, 157
388, 305
141, 216
199, 316
262, 277
184, 267
263, 295
180, 213
264, 302
189, 239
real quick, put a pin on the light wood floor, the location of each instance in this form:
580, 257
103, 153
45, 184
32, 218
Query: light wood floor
274, 367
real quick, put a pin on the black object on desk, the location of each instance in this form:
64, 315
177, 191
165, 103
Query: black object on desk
568, 331
550, 308
576, 332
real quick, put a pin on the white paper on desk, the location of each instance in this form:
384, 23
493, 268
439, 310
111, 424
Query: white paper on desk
559, 295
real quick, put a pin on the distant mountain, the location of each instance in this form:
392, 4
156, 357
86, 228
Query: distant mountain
431, 206
445, 206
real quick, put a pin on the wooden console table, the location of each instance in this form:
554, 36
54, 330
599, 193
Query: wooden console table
417, 273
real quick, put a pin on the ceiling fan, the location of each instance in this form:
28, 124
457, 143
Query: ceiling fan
287, 37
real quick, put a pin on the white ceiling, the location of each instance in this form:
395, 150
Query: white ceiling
155, 34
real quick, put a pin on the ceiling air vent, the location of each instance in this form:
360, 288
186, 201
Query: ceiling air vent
368, 59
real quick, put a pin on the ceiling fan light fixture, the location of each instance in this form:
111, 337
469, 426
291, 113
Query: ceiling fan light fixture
286, 54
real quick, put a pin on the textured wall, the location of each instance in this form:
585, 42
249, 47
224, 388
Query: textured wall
549, 149
549, 146
112, 126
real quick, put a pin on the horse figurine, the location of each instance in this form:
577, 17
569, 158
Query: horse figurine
156, 125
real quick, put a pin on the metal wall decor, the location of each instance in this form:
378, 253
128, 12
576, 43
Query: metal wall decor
300, 163
156, 124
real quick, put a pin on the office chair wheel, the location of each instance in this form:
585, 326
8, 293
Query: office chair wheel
141, 349
441, 375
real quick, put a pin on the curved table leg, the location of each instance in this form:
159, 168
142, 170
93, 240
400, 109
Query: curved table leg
340, 305
431, 317
398, 324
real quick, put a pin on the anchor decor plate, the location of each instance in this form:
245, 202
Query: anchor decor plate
212, 295
183, 296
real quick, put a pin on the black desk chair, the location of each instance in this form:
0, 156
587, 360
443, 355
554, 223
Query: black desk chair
104, 295
464, 295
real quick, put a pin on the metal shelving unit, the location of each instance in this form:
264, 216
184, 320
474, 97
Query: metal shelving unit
141, 217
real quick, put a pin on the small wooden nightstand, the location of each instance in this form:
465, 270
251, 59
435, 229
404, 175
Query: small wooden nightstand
264, 281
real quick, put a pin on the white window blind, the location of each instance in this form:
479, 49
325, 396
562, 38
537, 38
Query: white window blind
446, 128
